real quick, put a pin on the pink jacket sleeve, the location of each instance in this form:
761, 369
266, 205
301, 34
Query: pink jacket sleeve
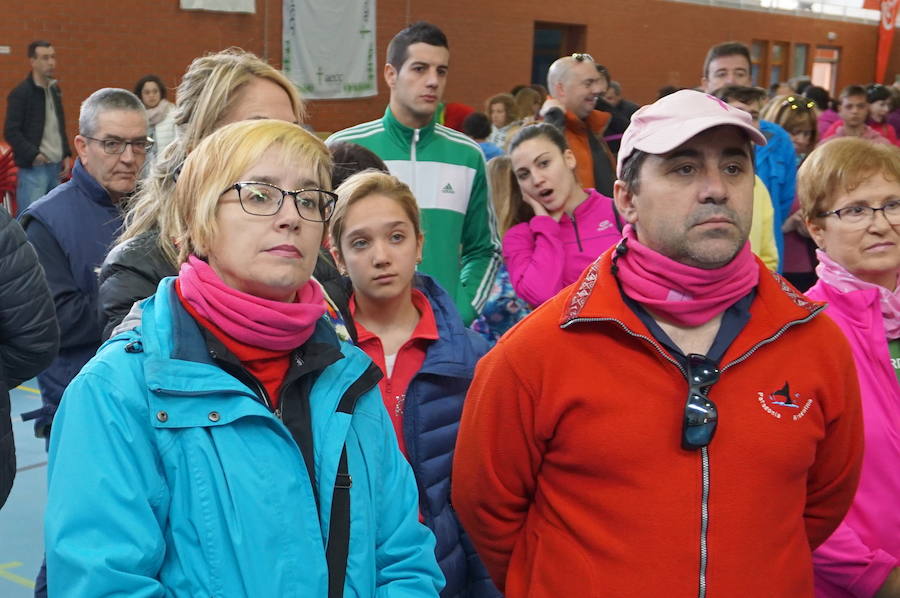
848, 563
535, 257
849, 559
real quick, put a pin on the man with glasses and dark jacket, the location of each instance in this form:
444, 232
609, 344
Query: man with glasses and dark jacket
678, 422
73, 227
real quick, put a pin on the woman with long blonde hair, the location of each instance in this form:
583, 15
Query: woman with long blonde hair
216, 90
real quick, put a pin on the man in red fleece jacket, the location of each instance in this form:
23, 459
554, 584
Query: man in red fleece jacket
679, 422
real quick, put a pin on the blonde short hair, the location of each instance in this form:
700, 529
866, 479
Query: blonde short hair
223, 157
792, 112
362, 185
205, 95
839, 166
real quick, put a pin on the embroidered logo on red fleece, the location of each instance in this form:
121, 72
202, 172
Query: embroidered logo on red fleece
799, 299
584, 291
783, 404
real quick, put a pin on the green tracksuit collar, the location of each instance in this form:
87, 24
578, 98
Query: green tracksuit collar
406, 134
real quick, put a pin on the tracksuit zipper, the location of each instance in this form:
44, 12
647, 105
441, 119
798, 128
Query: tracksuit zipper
704, 452
575, 227
412, 156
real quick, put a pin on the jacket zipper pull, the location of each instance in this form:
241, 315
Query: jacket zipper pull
412, 157
577, 236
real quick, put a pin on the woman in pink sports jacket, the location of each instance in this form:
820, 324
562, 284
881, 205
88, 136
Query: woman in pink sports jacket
849, 192
555, 228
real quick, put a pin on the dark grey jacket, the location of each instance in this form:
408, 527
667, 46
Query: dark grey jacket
131, 272
29, 335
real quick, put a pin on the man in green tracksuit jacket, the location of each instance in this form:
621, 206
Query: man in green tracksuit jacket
444, 168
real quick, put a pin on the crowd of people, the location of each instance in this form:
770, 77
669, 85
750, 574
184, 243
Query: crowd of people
569, 345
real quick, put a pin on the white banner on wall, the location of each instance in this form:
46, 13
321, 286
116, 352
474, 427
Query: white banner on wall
220, 5
329, 48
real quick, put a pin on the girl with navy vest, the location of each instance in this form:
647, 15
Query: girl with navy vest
409, 326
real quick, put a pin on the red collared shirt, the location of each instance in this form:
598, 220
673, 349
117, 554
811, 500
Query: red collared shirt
407, 363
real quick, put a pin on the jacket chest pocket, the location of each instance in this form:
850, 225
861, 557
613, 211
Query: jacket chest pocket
240, 486
185, 411
781, 424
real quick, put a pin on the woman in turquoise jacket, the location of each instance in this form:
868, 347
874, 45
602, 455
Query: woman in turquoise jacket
229, 444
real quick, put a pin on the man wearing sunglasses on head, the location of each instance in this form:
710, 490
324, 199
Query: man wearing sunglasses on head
73, 226
575, 84
680, 422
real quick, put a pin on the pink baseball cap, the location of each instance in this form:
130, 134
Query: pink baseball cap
670, 121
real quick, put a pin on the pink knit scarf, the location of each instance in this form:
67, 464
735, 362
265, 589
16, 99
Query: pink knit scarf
831, 272
681, 294
251, 320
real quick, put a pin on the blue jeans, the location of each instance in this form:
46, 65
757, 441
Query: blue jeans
36, 182
40, 584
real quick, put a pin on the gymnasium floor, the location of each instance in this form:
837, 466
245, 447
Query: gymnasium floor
21, 519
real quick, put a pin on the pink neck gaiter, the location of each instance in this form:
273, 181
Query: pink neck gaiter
251, 320
684, 295
837, 276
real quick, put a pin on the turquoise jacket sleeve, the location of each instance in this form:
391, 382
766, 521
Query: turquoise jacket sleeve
104, 522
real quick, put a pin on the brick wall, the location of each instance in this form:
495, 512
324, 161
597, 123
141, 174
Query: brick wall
645, 43
110, 43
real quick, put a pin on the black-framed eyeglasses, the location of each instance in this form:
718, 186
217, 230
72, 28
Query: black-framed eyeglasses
265, 199
798, 104
862, 214
117, 146
700, 413
582, 56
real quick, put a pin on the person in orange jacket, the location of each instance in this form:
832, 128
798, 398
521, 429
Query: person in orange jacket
575, 84
591, 460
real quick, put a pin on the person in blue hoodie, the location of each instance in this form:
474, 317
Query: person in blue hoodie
775, 162
408, 325
227, 443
